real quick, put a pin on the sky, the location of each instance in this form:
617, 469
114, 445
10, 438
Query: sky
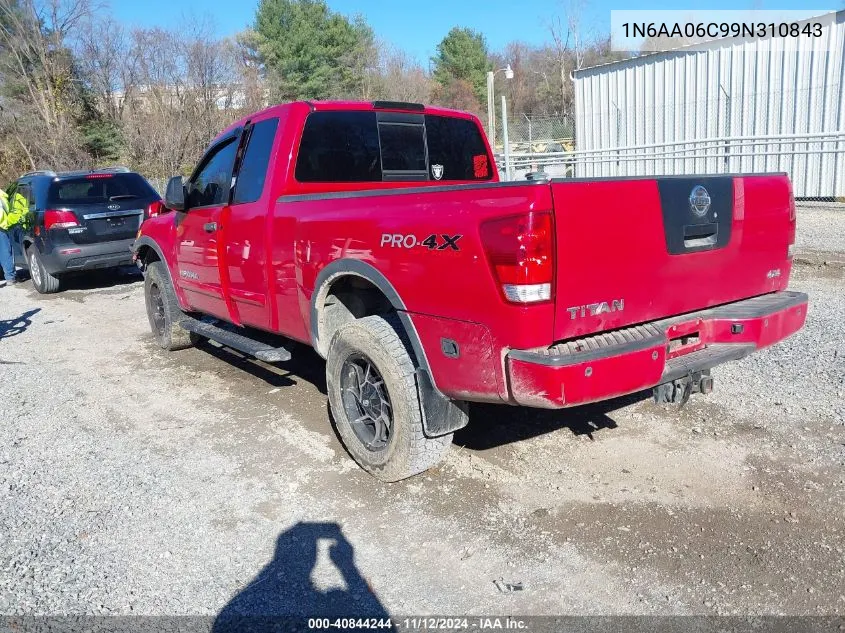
418, 27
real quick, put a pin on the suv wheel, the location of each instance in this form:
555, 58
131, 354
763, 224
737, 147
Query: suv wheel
163, 309
374, 400
44, 282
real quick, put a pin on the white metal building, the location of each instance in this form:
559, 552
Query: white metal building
752, 105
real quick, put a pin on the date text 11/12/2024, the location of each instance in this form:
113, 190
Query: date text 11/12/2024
419, 623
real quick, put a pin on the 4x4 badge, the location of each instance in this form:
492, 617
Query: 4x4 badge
113, 207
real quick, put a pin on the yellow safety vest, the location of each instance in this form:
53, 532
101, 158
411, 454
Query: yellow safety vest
14, 213
4, 211
17, 209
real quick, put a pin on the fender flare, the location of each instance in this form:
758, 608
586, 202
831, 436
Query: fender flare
440, 415
149, 242
358, 268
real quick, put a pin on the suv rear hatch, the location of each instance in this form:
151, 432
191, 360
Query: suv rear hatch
107, 206
631, 251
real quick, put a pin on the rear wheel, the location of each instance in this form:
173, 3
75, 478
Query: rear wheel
163, 309
374, 400
43, 281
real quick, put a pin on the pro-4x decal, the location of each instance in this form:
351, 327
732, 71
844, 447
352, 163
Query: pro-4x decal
438, 242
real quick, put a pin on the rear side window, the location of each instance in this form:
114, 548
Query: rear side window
98, 189
458, 147
339, 147
24, 190
253, 170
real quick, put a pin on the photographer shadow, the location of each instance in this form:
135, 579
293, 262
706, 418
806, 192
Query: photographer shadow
285, 592
19, 325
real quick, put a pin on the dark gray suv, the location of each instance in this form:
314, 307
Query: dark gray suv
81, 221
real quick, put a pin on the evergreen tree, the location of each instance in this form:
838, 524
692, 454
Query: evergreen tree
462, 56
311, 52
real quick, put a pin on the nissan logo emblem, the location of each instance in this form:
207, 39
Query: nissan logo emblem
699, 201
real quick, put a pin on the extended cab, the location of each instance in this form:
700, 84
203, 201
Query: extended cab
379, 234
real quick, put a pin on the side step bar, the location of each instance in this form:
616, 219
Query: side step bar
259, 350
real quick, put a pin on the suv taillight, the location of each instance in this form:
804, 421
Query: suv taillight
58, 219
521, 252
155, 209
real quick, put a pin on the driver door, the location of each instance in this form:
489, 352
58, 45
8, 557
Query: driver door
198, 243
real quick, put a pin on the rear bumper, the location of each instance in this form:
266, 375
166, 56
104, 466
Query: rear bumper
629, 360
67, 258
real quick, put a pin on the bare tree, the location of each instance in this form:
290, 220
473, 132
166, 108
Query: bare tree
250, 70
398, 77
107, 63
560, 45
33, 36
188, 89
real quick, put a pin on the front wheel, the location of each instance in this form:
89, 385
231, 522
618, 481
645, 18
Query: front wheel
374, 400
163, 309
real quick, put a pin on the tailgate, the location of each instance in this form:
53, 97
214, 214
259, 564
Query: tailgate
635, 250
108, 206
98, 223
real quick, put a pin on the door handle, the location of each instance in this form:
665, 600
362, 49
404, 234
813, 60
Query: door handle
697, 235
210, 227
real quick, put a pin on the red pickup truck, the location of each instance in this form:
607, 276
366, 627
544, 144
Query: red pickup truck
380, 234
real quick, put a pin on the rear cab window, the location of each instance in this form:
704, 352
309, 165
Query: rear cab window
99, 189
339, 147
375, 146
458, 146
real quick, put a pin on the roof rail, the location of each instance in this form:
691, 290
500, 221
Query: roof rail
117, 169
40, 172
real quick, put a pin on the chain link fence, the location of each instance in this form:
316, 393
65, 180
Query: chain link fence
800, 132
538, 135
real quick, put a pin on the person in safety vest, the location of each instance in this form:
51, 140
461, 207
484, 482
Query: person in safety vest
12, 214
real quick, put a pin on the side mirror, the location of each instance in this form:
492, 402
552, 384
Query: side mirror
174, 196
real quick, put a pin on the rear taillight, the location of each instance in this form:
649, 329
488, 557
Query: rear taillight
792, 220
58, 219
521, 252
155, 209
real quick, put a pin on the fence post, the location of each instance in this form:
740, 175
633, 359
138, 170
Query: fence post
505, 138
530, 135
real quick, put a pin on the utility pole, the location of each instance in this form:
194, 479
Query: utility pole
505, 138
491, 105
491, 111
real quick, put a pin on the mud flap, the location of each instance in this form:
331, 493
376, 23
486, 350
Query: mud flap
440, 415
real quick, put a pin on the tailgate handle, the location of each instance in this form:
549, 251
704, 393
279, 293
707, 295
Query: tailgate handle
697, 235
210, 227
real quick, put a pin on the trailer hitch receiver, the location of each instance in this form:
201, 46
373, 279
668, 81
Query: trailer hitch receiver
679, 390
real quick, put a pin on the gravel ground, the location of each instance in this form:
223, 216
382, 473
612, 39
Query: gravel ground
133, 481
820, 229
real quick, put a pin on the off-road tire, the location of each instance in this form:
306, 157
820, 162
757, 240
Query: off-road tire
42, 281
163, 309
408, 451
